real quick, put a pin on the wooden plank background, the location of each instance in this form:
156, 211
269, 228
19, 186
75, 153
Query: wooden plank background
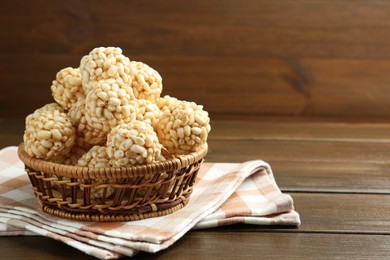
238, 58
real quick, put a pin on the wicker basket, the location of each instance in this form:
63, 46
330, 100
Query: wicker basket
139, 192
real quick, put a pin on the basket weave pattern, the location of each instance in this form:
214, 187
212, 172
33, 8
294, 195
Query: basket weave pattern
137, 192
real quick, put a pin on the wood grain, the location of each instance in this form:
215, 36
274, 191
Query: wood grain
332, 214
332, 177
295, 130
343, 213
285, 29
238, 58
253, 245
37, 247
305, 151
224, 245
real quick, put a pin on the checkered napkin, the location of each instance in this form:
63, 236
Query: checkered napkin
224, 194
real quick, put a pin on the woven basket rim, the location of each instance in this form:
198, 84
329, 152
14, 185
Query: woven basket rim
110, 172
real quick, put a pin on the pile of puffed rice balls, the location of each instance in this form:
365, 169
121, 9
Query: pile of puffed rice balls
109, 113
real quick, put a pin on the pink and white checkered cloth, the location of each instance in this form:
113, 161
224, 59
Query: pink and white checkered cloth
224, 194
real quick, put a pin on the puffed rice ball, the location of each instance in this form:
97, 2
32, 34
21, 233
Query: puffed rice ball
108, 105
166, 102
47, 107
67, 88
183, 126
146, 83
50, 107
72, 157
95, 157
133, 144
49, 133
105, 63
146, 111
85, 134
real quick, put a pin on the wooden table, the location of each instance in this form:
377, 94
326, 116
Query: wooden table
337, 173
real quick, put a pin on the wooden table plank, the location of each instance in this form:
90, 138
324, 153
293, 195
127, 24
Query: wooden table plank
300, 131
336, 214
37, 247
343, 213
214, 244
252, 245
304, 151
336, 177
